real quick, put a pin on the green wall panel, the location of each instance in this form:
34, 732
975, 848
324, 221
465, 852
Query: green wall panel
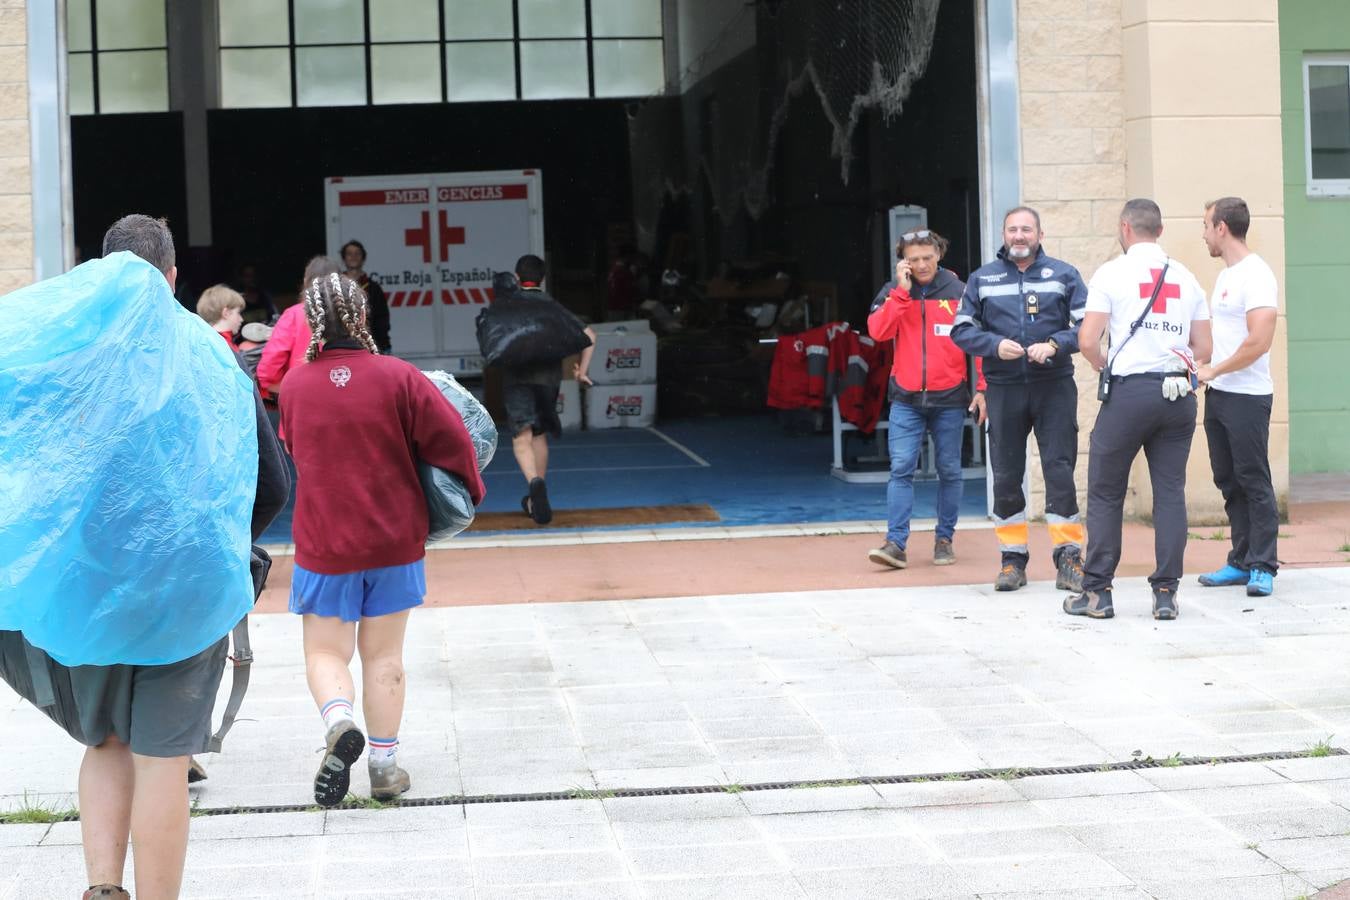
1317, 303
1319, 442
1317, 255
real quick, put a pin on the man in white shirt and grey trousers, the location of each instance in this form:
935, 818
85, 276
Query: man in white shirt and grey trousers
1238, 399
1159, 328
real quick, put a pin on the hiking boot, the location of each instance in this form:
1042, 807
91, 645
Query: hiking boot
387, 782
1093, 604
1069, 574
195, 771
888, 554
1226, 577
106, 892
1165, 603
539, 509
1261, 583
345, 745
1010, 578
943, 554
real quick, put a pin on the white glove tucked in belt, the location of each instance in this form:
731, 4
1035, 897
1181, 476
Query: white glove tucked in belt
1174, 387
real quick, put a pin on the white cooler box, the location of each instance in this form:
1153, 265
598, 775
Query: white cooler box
569, 405
625, 353
620, 406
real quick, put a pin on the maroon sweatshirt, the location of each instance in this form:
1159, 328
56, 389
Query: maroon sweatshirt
356, 424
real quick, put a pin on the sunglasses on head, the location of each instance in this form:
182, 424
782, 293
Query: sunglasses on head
915, 235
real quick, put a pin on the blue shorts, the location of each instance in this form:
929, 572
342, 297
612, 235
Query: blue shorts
357, 595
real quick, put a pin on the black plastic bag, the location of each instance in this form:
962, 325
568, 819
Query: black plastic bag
528, 331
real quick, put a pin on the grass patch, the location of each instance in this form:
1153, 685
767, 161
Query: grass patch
1217, 536
581, 793
357, 802
1172, 761
838, 782
1321, 748
35, 812
1344, 548
733, 788
953, 777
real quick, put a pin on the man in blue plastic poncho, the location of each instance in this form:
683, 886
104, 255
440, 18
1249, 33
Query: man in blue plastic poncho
142, 723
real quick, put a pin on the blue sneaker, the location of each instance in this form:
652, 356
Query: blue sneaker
1262, 584
1226, 577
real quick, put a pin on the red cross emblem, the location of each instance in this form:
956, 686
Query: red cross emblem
1165, 293
421, 237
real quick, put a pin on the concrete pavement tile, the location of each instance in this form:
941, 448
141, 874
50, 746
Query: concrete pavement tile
529, 781
855, 853
448, 819
807, 769
1254, 798
448, 842
759, 727
1091, 784
1309, 854
530, 815
1020, 843
1258, 887
1182, 778
247, 881
691, 806
998, 715
548, 868
1318, 768
496, 840
760, 886
1100, 893
703, 859
1150, 807
470, 720
244, 853
610, 694
817, 703
660, 777
932, 820
743, 707
1318, 821
1083, 872
256, 825
894, 883
949, 793
592, 890
628, 734
897, 721
824, 799
772, 749
31, 835
1104, 837
340, 876
639, 835
1336, 791
555, 759
1188, 863
834, 824
653, 756
658, 710
1322, 879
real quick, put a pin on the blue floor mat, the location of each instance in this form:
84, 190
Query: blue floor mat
747, 468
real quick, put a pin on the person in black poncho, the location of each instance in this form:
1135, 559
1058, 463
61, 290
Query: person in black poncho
530, 393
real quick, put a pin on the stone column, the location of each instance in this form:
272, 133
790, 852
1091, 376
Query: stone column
16, 208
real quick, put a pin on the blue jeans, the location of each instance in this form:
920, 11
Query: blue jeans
908, 425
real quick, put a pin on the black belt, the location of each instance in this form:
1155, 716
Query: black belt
1143, 376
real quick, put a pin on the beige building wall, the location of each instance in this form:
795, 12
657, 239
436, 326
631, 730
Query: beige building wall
16, 207
1141, 98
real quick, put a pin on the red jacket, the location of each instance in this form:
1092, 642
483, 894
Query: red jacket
356, 424
929, 369
285, 348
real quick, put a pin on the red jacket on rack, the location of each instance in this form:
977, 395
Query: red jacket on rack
929, 369
803, 365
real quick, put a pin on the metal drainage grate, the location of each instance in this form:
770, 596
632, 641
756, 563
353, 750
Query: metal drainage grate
1009, 774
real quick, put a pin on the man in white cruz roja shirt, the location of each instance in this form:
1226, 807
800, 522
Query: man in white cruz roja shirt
1239, 397
1159, 327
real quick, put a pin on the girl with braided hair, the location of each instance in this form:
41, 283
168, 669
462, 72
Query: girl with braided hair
356, 424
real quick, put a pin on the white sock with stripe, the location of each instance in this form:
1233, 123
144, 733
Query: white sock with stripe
337, 710
380, 752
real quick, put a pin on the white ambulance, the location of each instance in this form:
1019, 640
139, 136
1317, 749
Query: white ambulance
433, 242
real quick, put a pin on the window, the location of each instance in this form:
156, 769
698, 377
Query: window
357, 52
117, 58
1326, 95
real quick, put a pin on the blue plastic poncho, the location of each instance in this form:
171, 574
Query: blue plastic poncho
128, 467
450, 510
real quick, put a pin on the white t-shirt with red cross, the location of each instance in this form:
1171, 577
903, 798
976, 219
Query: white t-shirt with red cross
1242, 287
1122, 286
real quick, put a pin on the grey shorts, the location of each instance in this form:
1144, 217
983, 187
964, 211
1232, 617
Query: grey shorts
162, 711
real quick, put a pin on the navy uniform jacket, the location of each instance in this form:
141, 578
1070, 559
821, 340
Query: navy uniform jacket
1043, 303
